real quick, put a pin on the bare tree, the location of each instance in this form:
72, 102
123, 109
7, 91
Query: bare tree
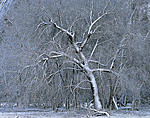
79, 58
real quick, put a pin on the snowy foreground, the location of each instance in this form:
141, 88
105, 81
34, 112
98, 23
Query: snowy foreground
73, 114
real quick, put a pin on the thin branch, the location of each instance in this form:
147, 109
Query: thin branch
79, 84
94, 49
73, 62
56, 56
54, 43
75, 22
130, 22
146, 35
42, 24
56, 35
43, 54
96, 28
109, 40
60, 54
105, 70
104, 10
53, 74
93, 61
115, 56
91, 12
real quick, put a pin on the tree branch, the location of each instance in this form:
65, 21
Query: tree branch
62, 29
105, 70
90, 30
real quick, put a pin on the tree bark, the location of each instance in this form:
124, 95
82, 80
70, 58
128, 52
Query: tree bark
97, 102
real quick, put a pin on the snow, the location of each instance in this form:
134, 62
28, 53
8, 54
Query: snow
38, 115
74, 114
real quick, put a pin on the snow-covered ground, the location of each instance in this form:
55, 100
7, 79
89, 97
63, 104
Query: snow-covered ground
40, 115
74, 114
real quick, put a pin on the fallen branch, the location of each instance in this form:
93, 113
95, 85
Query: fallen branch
100, 112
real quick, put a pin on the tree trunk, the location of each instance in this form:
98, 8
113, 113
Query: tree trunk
97, 102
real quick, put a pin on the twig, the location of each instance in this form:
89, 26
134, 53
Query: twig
94, 49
